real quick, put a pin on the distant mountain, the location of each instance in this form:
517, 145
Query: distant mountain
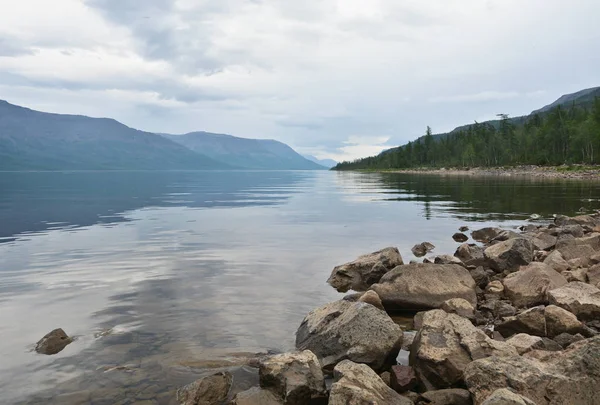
581, 98
33, 140
328, 163
260, 154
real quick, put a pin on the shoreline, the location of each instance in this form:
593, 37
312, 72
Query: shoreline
575, 172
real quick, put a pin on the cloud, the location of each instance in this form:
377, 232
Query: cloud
308, 73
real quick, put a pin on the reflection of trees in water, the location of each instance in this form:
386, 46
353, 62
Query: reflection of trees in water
37, 201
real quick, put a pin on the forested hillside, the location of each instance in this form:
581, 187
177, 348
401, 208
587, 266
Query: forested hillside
565, 134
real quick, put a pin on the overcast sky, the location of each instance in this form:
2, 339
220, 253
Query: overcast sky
336, 78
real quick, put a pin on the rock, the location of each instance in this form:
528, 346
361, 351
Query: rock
480, 276
409, 337
579, 274
422, 249
574, 230
559, 321
582, 220
529, 286
403, 379
386, 377
371, 297
593, 274
506, 235
568, 377
463, 228
447, 259
54, 342
543, 241
211, 390
579, 253
495, 288
531, 322
509, 254
349, 330
460, 307
368, 269
550, 345
470, 255
566, 339
557, 262
525, 343
256, 396
295, 377
505, 396
444, 346
503, 309
595, 259
486, 235
453, 396
460, 237
581, 299
423, 286
357, 384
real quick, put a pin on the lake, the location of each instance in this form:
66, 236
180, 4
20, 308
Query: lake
162, 276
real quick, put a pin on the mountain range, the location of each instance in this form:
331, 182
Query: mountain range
34, 140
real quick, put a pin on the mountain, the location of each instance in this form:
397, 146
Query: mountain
259, 154
33, 140
328, 163
563, 132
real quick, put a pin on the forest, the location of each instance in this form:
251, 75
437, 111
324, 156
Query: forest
563, 135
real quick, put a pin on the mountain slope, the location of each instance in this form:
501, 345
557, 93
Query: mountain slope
581, 98
33, 140
246, 153
328, 163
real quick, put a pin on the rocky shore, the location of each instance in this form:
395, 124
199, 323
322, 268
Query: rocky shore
512, 319
553, 172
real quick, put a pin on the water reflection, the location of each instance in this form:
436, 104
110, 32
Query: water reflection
163, 276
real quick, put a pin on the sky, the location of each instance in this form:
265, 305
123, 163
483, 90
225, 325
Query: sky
338, 79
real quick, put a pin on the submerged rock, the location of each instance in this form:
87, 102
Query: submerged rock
569, 377
349, 330
368, 269
422, 249
54, 342
444, 346
211, 390
460, 237
295, 377
357, 384
417, 287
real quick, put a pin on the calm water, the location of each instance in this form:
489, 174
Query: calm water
165, 275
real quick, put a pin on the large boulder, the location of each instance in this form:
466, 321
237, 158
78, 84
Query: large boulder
470, 254
53, 342
445, 345
368, 269
486, 235
543, 241
357, 384
530, 285
581, 299
556, 260
557, 378
256, 396
349, 330
504, 396
509, 254
418, 287
295, 377
211, 390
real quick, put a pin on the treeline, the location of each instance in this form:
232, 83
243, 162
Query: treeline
560, 136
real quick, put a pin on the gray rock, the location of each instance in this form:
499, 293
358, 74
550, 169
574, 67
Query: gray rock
557, 262
579, 274
470, 255
505, 396
480, 276
525, 343
295, 377
581, 299
459, 307
445, 344
54, 342
566, 339
422, 249
531, 322
460, 237
463, 228
509, 254
568, 377
593, 275
368, 269
530, 285
582, 220
349, 330
559, 320
452, 396
357, 384
543, 241
486, 235
447, 259
211, 390
256, 396
425, 286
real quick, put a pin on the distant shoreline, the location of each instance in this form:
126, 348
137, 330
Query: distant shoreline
557, 172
